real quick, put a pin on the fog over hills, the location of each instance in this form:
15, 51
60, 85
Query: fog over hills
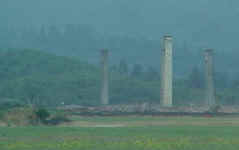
203, 22
136, 26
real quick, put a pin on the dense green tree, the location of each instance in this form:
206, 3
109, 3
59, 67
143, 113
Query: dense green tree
196, 78
123, 67
151, 74
137, 70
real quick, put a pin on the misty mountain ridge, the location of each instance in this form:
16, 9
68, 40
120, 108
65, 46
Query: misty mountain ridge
130, 29
207, 23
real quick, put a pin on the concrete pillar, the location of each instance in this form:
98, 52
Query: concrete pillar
209, 78
105, 77
166, 72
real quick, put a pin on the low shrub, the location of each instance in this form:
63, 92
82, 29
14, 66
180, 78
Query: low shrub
57, 119
42, 114
215, 109
29, 116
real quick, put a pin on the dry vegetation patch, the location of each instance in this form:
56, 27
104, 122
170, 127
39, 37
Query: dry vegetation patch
20, 117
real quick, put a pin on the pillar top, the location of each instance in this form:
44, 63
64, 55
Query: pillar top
208, 51
104, 50
168, 37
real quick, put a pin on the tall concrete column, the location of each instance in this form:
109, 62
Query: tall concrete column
209, 78
105, 78
166, 72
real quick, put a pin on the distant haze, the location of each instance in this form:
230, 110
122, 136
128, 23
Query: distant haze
203, 23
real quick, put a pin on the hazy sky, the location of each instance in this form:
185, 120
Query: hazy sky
209, 23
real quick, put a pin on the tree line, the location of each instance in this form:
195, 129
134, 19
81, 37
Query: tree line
33, 77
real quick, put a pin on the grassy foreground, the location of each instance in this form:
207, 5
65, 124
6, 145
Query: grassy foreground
178, 134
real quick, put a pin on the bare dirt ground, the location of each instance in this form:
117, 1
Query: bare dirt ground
92, 124
2, 124
154, 121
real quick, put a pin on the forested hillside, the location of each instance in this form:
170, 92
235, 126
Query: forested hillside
35, 77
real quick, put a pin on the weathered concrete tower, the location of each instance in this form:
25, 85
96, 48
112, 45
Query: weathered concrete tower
105, 78
209, 78
166, 72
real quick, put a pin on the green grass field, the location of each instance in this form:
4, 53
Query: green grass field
127, 133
